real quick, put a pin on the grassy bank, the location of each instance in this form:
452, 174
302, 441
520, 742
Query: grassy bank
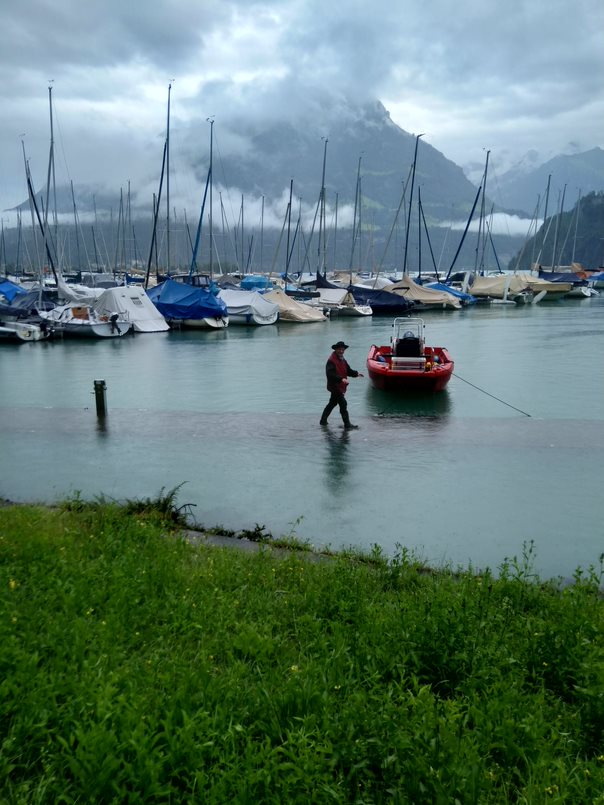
135, 668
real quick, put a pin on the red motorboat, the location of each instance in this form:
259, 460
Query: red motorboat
407, 364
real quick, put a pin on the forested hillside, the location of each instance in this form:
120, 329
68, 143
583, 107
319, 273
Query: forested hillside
571, 237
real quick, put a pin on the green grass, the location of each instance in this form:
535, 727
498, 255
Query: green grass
136, 668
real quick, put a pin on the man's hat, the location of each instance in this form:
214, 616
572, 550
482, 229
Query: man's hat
339, 344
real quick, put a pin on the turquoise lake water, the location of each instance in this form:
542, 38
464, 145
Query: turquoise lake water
465, 477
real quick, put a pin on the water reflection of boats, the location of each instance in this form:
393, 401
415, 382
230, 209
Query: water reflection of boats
383, 404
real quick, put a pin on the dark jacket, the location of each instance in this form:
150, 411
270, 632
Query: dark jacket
337, 369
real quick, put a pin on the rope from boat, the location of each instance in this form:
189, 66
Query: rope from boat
520, 411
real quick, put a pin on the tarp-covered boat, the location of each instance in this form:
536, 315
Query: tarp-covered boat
292, 310
249, 307
407, 364
340, 302
9, 290
423, 296
507, 287
382, 303
189, 305
538, 285
464, 298
129, 302
83, 321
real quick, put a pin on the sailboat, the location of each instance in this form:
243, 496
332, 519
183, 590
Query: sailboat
185, 300
85, 321
382, 303
84, 318
16, 322
292, 310
340, 302
189, 305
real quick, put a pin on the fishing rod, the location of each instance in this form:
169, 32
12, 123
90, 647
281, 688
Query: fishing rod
520, 411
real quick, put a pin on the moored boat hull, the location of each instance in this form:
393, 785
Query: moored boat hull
83, 321
391, 374
20, 332
407, 364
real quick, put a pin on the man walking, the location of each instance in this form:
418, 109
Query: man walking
338, 371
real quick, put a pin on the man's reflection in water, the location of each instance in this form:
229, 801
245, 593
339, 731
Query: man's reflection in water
337, 458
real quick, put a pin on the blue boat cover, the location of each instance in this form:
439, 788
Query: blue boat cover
256, 282
177, 300
560, 276
34, 301
10, 290
465, 297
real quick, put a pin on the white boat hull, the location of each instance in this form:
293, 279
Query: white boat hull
20, 332
82, 321
206, 324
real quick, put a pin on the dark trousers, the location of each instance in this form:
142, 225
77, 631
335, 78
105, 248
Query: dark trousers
337, 398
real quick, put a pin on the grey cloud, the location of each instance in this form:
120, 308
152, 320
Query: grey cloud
508, 78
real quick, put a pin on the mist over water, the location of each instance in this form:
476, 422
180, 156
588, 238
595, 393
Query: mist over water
462, 477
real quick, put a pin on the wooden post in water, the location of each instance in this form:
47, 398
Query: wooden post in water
100, 397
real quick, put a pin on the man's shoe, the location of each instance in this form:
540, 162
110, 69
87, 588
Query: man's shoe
323, 422
351, 427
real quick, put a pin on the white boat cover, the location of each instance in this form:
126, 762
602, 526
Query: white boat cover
373, 283
78, 293
346, 278
131, 302
248, 307
128, 301
341, 302
332, 296
429, 297
292, 310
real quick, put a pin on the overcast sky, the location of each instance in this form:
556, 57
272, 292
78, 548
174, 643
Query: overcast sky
472, 75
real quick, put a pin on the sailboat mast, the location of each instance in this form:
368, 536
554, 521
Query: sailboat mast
289, 224
558, 217
130, 255
410, 203
481, 220
96, 256
211, 122
168, 183
152, 247
75, 226
33, 220
262, 236
321, 250
545, 230
335, 232
354, 218
50, 178
18, 260
419, 234
3, 251
572, 259
119, 225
